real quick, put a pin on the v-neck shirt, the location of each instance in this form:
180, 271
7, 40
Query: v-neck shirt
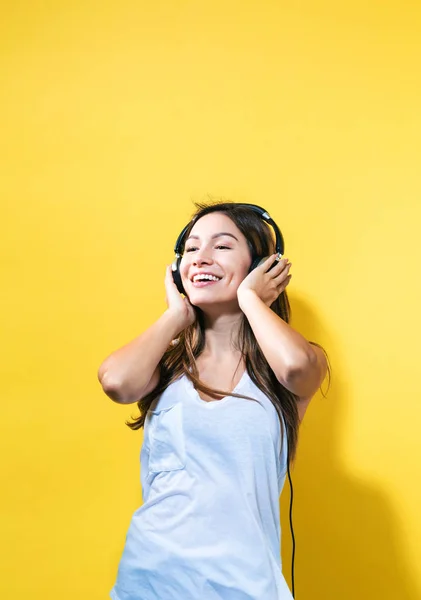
209, 527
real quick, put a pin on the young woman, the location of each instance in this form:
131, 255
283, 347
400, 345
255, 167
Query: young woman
222, 383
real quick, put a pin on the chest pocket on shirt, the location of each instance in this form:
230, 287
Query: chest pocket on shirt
167, 450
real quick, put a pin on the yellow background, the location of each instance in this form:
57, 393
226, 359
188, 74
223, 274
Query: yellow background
115, 116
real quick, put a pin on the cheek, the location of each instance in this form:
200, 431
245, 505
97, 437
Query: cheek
244, 272
183, 272
183, 266
237, 277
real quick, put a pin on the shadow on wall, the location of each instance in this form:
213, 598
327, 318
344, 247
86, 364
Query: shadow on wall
348, 543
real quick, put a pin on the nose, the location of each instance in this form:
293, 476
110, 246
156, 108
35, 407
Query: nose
199, 262
201, 258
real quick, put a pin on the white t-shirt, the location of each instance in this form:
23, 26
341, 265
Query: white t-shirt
211, 474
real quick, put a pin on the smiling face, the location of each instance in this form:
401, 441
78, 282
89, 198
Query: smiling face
216, 259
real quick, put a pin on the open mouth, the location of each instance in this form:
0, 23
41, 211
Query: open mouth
205, 280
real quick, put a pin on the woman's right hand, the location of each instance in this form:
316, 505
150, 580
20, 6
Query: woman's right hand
177, 305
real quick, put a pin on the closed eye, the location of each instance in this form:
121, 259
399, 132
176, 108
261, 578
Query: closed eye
194, 248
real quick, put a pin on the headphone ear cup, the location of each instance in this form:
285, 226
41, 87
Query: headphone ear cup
175, 268
259, 261
256, 263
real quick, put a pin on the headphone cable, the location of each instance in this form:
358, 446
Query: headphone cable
291, 525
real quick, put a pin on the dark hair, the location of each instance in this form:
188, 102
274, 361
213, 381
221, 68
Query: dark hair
180, 358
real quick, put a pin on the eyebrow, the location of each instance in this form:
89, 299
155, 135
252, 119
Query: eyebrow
216, 235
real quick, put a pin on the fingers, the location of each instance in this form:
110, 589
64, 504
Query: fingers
168, 273
270, 259
280, 273
169, 279
282, 280
279, 265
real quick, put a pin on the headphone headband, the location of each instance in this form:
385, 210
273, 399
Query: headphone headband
259, 210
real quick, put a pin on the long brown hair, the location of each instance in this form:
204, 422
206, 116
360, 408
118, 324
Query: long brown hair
180, 358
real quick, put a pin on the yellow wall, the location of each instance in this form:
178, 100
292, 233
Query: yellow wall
113, 117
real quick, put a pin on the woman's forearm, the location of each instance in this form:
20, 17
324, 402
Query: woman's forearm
126, 373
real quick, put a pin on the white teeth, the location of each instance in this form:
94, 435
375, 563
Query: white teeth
209, 277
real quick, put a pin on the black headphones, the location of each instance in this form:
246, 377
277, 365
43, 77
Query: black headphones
175, 267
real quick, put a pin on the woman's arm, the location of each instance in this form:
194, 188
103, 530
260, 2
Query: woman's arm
298, 365
131, 372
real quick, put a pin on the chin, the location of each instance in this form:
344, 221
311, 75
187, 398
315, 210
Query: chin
201, 301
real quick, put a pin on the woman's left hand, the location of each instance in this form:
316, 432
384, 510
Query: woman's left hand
267, 285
